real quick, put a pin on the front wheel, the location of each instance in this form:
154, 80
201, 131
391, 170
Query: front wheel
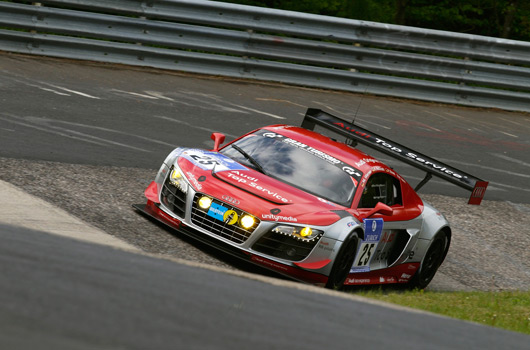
431, 261
343, 262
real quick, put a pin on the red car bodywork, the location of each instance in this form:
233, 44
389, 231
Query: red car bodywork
274, 202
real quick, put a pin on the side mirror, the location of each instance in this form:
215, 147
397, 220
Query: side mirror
381, 208
218, 139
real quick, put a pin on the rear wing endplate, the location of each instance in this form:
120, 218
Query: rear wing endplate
429, 165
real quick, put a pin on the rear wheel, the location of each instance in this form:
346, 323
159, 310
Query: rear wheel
431, 261
343, 262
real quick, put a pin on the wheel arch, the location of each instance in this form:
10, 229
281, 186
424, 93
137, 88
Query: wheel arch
429, 262
448, 232
343, 260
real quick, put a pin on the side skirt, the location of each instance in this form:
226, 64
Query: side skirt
396, 274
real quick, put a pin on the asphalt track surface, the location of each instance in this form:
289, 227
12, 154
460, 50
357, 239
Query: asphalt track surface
83, 296
88, 138
122, 117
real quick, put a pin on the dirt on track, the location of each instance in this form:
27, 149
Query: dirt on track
489, 249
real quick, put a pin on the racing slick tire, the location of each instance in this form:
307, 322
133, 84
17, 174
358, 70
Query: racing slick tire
343, 262
431, 261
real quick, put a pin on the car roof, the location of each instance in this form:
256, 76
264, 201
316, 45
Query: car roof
339, 150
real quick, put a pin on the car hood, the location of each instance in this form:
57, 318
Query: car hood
268, 199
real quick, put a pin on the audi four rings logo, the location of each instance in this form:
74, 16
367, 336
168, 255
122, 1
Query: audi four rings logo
230, 199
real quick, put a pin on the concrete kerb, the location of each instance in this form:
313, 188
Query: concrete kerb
18, 208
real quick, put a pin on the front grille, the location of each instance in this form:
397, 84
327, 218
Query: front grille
284, 247
174, 198
231, 231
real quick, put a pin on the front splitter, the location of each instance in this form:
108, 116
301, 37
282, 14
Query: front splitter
151, 210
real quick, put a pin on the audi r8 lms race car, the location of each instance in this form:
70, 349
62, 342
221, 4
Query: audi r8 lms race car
310, 206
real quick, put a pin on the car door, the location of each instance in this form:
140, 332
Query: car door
388, 238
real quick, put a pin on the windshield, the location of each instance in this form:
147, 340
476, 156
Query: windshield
297, 164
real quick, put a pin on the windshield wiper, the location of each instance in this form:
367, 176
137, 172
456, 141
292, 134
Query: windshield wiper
249, 158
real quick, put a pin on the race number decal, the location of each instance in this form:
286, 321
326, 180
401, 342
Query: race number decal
208, 160
372, 235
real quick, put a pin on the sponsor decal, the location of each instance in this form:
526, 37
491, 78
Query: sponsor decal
313, 151
354, 173
270, 193
230, 217
390, 275
386, 279
378, 168
366, 160
478, 192
251, 182
243, 175
388, 237
230, 199
275, 211
221, 213
194, 180
381, 255
236, 178
268, 263
373, 229
351, 171
202, 178
434, 165
273, 217
352, 130
403, 152
217, 211
359, 280
325, 247
388, 145
406, 276
272, 135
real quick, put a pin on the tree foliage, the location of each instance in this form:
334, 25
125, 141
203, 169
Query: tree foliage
498, 18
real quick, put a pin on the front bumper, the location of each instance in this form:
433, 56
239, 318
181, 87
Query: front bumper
152, 210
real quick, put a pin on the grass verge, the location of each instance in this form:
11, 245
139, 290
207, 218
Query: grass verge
507, 309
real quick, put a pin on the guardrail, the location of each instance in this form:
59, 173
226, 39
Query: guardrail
250, 42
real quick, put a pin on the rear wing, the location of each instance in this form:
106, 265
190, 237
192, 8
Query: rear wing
429, 165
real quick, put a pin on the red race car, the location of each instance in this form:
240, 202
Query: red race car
308, 206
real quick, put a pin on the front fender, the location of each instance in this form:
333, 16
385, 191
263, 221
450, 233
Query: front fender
329, 245
433, 222
342, 228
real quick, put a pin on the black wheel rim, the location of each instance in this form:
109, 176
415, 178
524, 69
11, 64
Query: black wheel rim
344, 263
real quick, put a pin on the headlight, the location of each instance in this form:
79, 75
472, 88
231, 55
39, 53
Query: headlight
178, 180
204, 202
247, 221
307, 233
